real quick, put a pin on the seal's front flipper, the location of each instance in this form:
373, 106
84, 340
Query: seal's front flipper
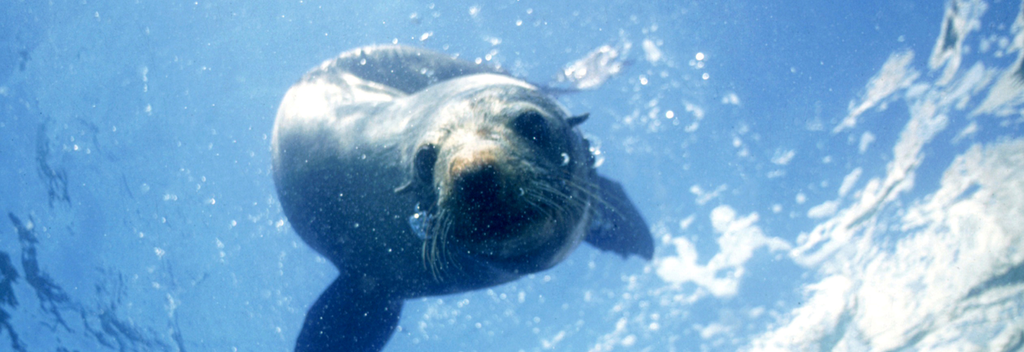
617, 225
350, 316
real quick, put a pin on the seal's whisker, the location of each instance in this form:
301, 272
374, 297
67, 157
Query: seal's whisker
561, 207
442, 250
535, 201
423, 255
430, 244
591, 192
553, 193
431, 251
456, 263
576, 183
543, 198
425, 251
547, 193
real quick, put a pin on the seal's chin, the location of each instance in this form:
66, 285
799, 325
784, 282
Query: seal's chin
512, 239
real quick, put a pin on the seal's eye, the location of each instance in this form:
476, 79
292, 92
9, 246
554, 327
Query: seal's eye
531, 125
426, 157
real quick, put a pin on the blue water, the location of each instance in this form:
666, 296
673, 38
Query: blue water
141, 216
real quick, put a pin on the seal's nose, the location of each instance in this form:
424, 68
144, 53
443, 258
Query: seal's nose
476, 179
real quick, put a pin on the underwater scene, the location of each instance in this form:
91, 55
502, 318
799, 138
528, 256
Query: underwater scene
808, 176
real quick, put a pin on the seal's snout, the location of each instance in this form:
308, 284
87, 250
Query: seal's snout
476, 179
479, 186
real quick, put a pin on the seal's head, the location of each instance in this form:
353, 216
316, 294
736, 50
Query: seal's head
509, 180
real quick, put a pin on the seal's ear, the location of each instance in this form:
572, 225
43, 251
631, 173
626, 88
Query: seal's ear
617, 225
577, 120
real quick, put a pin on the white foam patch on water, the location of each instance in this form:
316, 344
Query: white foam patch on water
927, 109
823, 210
704, 196
783, 157
932, 283
865, 141
830, 207
1008, 91
738, 238
961, 18
942, 273
849, 181
651, 51
895, 75
731, 99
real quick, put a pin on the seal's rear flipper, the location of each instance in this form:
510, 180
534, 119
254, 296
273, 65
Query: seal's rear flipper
350, 316
617, 225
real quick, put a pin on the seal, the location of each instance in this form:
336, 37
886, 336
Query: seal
418, 174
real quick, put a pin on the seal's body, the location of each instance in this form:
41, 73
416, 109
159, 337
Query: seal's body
417, 174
